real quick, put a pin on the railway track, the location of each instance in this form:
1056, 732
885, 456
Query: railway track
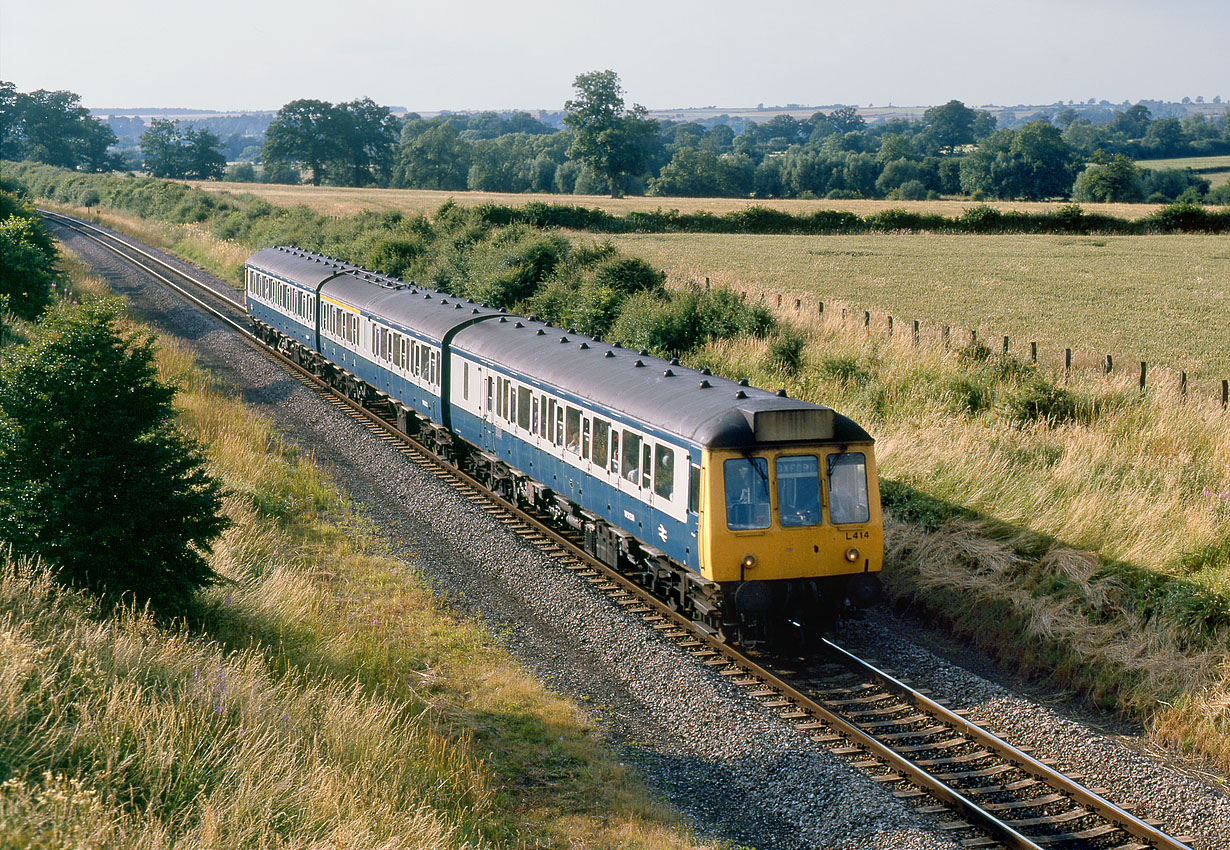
988, 792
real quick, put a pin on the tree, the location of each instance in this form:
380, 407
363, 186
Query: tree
611, 139
304, 133
181, 154
946, 128
160, 145
94, 477
1118, 179
432, 158
53, 127
367, 133
27, 267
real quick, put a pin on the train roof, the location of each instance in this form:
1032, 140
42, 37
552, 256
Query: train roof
426, 311
701, 408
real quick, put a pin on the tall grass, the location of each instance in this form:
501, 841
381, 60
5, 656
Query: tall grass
321, 697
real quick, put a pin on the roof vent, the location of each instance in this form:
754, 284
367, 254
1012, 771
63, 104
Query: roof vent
563, 339
456, 306
643, 352
740, 394
743, 382
583, 346
530, 316
616, 344
539, 332
503, 320
705, 371
674, 361
572, 330
475, 310
609, 354
638, 364
668, 374
443, 300
781, 393
518, 325
428, 297
596, 338
704, 385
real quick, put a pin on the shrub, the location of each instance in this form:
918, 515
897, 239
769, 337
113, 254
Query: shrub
27, 266
628, 275
786, 353
1040, 400
94, 478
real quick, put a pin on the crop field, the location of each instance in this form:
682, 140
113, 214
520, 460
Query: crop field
341, 200
1215, 168
1162, 299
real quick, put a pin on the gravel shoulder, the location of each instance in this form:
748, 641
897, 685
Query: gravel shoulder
740, 775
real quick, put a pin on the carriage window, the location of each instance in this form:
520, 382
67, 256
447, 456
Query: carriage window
632, 456
488, 394
559, 423
664, 471
465, 381
747, 493
542, 405
554, 414
510, 407
798, 490
848, 500
585, 439
523, 407
694, 490
646, 466
534, 414
615, 450
573, 430
602, 430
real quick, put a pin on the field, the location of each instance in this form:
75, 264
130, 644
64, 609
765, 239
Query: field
1162, 299
341, 200
1215, 168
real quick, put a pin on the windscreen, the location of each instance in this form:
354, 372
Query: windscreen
747, 493
848, 500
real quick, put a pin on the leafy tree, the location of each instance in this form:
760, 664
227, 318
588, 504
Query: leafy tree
1118, 179
27, 260
845, 119
181, 154
610, 138
434, 157
946, 128
1046, 165
367, 133
94, 478
1132, 123
160, 145
53, 127
303, 133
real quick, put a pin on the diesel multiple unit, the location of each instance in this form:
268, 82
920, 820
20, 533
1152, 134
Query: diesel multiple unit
744, 508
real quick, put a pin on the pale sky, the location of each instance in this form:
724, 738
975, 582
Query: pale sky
524, 54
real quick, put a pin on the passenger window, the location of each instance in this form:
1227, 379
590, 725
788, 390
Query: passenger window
559, 425
646, 467
798, 490
747, 493
534, 416
694, 489
632, 456
848, 500
523, 407
573, 430
585, 439
543, 425
499, 397
489, 393
551, 424
602, 430
465, 381
615, 450
664, 471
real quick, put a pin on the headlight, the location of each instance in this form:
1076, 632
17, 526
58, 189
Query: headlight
851, 554
749, 561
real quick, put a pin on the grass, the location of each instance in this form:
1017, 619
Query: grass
1077, 530
1162, 299
340, 201
322, 697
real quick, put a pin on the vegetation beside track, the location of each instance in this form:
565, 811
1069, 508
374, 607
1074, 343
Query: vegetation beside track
1079, 530
319, 696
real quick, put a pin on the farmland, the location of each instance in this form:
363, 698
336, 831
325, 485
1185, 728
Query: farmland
342, 200
1163, 299
1216, 169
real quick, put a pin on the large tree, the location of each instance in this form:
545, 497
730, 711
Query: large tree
946, 128
94, 477
607, 136
181, 154
367, 133
53, 127
304, 133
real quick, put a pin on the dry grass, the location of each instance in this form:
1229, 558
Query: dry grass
1162, 299
341, 200
324, 698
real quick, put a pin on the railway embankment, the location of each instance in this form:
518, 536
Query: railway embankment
1073, 528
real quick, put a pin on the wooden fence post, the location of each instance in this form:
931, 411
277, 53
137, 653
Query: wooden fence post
1033, 352
916, 331
973, 339
821, 308
1143, 366
1183, 383
1108, 366
945, 333
1225, 394
867, 320
1005, 346
890, 325
1067, 360
706, 284
779, 299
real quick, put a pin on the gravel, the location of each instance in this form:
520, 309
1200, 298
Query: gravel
739, 774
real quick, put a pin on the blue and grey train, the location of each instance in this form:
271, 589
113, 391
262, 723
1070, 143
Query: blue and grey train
743, 508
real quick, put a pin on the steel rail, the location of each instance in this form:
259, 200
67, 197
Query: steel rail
974, 814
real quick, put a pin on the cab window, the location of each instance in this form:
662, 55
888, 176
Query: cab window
747, 493
798, 490
848, 500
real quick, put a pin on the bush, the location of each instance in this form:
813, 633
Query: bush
94, 478
27, 266
1040, 400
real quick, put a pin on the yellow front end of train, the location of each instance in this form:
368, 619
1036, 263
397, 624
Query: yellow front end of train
789, 512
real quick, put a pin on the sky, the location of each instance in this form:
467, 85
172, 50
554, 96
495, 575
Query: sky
525, 54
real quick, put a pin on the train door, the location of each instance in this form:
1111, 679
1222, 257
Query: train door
486, 400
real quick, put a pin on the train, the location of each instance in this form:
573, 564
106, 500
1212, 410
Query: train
749, 512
